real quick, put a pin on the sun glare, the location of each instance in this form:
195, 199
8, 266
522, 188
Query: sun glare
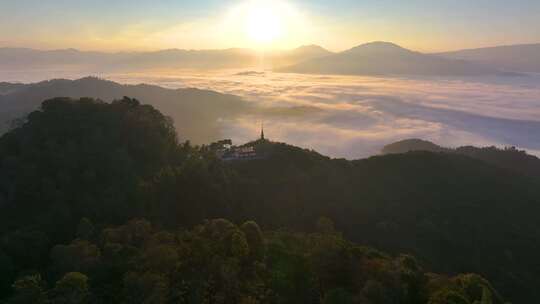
263, 23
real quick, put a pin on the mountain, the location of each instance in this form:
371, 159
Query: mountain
303, 53
384, 58
413, 144
310, 51
195, 112
111, 162
27, 59
517, 58
437, 206
7, 88
508, 158
14, 58
376, 58
88, 215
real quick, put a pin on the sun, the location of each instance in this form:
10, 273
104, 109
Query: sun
263, 22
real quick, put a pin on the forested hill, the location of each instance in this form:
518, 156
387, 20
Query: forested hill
509, 157
110, 163
454, 212
194, 111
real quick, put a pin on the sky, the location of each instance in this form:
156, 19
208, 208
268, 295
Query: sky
126, 25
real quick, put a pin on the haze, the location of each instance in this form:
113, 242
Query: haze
423, 25
343, 78
270, 151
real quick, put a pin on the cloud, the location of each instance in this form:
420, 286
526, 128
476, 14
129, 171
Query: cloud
354, 117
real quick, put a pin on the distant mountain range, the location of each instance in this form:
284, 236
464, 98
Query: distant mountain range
384, 58
195, 112
375, 58
21, 58
520, 58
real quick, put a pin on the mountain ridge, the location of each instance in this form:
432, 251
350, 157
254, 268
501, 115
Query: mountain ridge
499, 60
516, 58
85, 157
25, 58
508, 157
386, 58
196, 112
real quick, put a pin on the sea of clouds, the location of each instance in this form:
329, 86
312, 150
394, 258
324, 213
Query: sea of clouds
354, 117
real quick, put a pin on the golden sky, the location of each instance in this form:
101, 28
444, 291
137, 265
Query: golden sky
280, 24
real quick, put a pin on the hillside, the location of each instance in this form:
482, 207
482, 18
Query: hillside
195, 112
508, 158
119, 161
220, 262
384, 58
517, 58
413, 144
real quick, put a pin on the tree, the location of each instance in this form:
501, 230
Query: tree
83, 157
71, 289
325, 225
239, 245
413, 279
376, 292
338, 296
80, 256
146, 288
29, 289
161, 258
486, 297
331, 260
448, 296
255, 240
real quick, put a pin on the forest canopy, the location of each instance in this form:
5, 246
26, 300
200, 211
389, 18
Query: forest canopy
101, 203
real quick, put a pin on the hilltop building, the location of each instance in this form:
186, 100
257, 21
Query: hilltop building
247, 152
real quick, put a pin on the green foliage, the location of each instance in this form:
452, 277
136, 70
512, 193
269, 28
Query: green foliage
71, 289
29, 289
75, 160
448, 296
441, 206
211, 263
325, 225
161, 258
79, 256
338, 296
147, 288
376, 292
239, 245
255, 240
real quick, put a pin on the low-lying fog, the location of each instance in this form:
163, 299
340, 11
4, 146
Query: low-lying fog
353, 117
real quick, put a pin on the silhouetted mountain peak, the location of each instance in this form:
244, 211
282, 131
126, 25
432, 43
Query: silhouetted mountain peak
379, 47
311, 48
386, 58
412, 144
